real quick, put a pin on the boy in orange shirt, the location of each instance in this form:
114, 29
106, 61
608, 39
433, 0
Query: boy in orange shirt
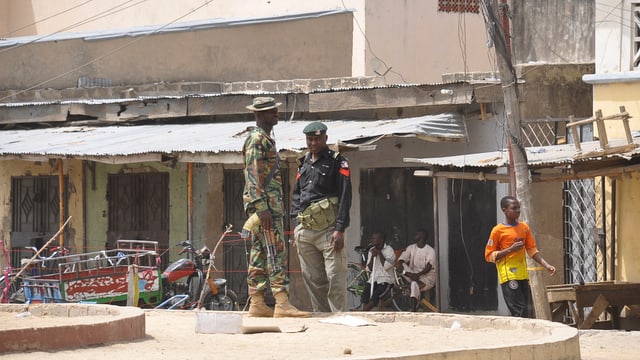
508, 246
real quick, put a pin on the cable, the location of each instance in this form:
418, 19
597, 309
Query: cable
388, 68
44, 19
109, 53
100, 15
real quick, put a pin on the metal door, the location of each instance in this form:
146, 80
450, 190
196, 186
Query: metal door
396, 202
35, 209
139, 208
472, 215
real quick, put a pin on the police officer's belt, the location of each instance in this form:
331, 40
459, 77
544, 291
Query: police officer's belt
319, 215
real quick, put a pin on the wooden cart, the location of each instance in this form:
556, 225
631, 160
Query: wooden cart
102, 276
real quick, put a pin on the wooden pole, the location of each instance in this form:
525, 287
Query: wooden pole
61, 198
25, 266
516, 147
190, 201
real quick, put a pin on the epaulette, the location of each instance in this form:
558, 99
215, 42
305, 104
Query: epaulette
334, 154
300, 160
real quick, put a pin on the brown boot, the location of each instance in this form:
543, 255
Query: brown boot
285, 309
257, 307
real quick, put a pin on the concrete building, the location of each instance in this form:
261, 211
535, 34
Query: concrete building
368, 64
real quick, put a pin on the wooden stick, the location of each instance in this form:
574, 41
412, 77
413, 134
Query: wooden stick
8, 284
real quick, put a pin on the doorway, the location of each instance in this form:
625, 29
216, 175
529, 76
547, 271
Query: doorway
139, 209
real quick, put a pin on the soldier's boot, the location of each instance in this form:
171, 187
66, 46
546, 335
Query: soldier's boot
285, 309
258, 308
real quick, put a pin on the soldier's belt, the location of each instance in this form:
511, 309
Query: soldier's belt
319, 215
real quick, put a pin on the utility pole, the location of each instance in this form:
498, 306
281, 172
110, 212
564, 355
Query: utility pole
497, 23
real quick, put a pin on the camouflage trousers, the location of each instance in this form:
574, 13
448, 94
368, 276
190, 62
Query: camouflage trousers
261, 273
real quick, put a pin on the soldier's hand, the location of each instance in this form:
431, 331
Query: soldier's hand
337, 241
266, 219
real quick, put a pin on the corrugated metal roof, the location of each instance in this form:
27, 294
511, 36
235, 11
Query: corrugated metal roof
540, 157
163, 28
115, 141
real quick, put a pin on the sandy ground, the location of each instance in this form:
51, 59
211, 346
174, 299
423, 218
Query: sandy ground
171, 334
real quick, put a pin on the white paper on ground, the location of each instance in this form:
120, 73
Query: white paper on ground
347, 320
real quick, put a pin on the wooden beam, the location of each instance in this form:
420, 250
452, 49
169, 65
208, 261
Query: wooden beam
612, 171
390, 97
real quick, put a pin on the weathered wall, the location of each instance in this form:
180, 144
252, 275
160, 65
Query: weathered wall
614, 36
97, 209
73, 171
608, 97
405, 37
232, 53
416, 43
555, 91
541, 31
547, 202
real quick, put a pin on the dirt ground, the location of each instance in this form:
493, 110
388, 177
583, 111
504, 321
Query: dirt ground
171, 334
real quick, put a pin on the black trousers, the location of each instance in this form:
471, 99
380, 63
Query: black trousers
517, 295
379, 290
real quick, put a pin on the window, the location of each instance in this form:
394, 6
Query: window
459, 6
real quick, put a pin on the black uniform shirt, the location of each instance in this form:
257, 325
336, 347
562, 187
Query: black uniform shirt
328, 176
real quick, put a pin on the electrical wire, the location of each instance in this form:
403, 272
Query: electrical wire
100, 15
44, 19
370, 48
129, 43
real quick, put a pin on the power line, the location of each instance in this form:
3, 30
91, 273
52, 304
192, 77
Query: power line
100, 15
44, 19
207, 2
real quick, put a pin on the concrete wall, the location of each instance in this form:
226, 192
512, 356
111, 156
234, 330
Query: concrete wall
614, 36
608, 97
283, 50
74, 172
417, 43
97, 214
541, 31
403, 37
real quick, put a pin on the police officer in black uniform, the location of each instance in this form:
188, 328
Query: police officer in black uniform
320, 208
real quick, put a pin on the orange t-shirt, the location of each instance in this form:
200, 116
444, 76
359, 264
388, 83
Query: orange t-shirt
512, 266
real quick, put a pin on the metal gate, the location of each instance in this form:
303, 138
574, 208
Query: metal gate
585, 240
35, 213
139, 209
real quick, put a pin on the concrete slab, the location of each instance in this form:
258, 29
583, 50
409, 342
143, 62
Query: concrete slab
391, 335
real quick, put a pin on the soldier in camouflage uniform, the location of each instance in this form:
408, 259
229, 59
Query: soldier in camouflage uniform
263, 196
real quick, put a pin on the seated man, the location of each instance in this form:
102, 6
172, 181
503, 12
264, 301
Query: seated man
380, 264
418, 265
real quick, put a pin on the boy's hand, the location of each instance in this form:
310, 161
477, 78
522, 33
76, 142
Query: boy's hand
517, 245
551, 269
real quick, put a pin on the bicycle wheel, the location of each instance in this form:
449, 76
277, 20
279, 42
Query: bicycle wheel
15, 293
356, 279
401, 294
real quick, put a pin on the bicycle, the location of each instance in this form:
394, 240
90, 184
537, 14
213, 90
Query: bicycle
358, 277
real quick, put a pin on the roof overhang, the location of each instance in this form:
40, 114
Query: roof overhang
209, 143
545, 163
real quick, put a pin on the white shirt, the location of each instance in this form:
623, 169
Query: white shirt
382, 272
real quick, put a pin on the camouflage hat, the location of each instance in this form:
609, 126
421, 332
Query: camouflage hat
263, 103
315, 128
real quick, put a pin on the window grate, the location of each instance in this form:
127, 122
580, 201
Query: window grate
459, 6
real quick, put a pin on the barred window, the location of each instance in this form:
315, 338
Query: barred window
459, 6
635, 15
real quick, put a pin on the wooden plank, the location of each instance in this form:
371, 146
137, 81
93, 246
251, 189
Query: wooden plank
599, 306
